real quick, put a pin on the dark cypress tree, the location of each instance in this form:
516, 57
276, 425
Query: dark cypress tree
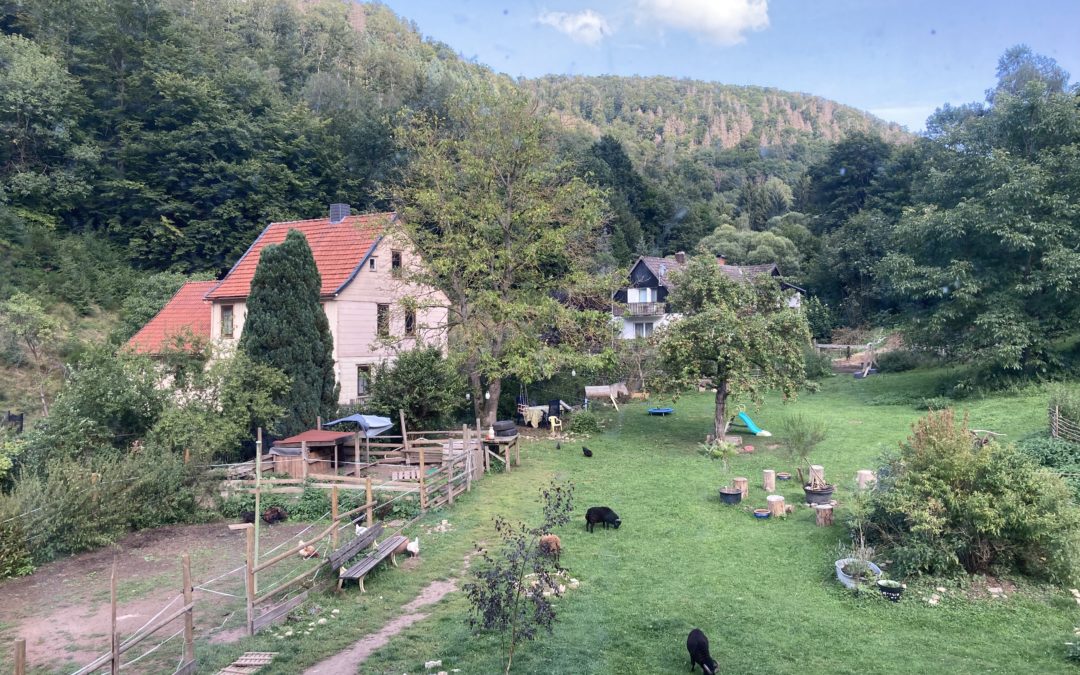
287, 329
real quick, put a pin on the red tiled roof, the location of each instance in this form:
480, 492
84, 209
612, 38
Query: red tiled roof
186, 311
339, 249
748, 272
316, 436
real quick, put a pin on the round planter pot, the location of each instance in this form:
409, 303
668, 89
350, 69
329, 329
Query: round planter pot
889, 590
783, 475
730, 495
819, 496
851, 582
762, 513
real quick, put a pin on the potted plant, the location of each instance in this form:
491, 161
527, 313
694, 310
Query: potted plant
854, 567
723, 451
802, 435
891, 589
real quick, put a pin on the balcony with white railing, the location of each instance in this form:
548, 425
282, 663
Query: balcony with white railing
646, 309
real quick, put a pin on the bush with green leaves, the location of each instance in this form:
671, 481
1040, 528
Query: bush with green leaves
945, 504
1067, 400
818, 366
423, 384
314, 504
584, 422
901, 360
77, 505
1059, 455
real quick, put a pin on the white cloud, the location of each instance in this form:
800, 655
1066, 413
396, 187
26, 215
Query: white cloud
586, 27
722, 21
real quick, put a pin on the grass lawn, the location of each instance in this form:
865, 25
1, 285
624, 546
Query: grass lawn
763, 591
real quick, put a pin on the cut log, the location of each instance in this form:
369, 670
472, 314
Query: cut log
864, 477
817, 475
776, 505
769, 480
824, 514
743, 484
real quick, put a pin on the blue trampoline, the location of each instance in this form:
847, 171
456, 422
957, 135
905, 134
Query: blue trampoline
661, 411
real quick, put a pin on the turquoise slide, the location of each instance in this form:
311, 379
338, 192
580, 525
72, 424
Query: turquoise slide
754, 429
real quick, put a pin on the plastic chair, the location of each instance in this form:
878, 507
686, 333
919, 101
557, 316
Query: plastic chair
555, 423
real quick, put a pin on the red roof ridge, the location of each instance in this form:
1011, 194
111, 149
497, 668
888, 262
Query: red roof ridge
339, 250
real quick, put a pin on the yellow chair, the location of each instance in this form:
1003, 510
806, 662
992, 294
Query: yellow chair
555, 423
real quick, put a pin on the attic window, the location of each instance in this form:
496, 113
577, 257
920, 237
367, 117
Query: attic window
226, 321
371, 263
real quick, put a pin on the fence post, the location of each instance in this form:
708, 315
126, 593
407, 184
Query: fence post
370, 508
356, 455
189, 616
1054, 421
303, 459
466, 445
258, 496
334, 515
20, 656
115, 660
483, 447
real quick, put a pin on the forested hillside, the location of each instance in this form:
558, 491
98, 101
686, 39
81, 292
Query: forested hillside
145, 141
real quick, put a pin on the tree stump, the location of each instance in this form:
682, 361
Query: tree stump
769, 480
743, 484
824, 514
864, 477
817, 475
776, 505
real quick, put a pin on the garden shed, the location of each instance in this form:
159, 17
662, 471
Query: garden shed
314, 451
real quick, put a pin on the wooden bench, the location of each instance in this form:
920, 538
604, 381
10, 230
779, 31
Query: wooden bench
367, 563
338, 558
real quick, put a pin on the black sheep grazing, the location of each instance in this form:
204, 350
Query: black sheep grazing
588, 452
274, 514
601, 514
698, 646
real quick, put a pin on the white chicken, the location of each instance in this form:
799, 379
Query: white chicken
360, 529
413, 547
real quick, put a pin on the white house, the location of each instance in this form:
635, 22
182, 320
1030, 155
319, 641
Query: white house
644, 299
372, 310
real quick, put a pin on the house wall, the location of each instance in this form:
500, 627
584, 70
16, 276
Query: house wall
355, 311
227, 345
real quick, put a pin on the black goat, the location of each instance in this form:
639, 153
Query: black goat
601, 514
247, 516
698, 646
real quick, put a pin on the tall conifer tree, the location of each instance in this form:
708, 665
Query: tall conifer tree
286, 328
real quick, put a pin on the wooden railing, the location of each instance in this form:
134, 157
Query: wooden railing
1062, 427
646, 308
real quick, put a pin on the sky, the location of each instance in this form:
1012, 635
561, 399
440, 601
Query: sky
898, 59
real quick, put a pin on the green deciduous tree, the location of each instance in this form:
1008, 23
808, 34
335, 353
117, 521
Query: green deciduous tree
286, 328
741, 338
750, 247
988, 267
507, 232
24, 321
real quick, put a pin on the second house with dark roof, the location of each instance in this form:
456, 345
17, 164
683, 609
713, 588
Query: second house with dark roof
644, 301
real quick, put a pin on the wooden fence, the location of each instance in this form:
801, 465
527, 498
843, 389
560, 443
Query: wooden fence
1062, 427
119, 648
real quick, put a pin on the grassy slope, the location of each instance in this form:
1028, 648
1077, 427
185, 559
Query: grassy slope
762, 590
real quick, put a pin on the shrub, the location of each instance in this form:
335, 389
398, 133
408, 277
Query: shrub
423, 384
1061, 456
818, 366
802, 434
934, 403
945, 504
1067, 400
900, 360
584, 422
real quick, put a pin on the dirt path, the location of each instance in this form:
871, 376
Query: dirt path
349, 660
62, 610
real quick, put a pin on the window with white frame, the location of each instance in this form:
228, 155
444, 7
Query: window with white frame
642, 329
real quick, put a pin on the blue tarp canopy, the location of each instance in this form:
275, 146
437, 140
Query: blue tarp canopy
371, 425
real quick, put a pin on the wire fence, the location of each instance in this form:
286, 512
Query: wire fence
1062, 427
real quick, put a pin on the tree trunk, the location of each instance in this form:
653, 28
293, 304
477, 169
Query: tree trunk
491, 405
720, 422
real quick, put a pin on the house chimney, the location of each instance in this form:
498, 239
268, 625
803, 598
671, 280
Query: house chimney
680, 257
721, 260
339, 212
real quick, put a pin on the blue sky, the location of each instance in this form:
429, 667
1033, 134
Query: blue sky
899, 59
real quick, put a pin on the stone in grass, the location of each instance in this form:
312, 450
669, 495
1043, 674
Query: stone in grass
428, 665
322, 621
335, 611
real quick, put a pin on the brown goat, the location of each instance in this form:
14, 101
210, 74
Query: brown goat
550, 545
